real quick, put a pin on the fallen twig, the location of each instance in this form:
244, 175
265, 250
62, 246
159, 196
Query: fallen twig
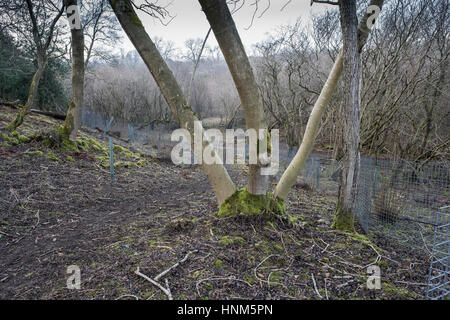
175, 265
315, 286
165, 290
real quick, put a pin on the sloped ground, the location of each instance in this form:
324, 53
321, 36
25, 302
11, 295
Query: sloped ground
58, 208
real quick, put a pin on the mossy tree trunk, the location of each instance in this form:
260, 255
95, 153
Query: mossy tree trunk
32, 94
42, 41
224, 28
72, 122
298, 162
344, 215
218, 176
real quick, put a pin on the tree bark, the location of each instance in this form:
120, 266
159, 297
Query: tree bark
217, 174
230, 43
32, 94
41, 56
298, 163
344, 215
72, 122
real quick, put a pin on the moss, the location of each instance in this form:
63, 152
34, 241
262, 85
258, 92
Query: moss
70, 158
11, 139
219, 263
16, 138
242, 202
397, 292
227, 240
343, 220
364, 240
69, 121
88, 144
125, 152
19, 119
130, 12
142, 163
126, 164
24, 139
276, 276
53, 157
36, 153
58, 138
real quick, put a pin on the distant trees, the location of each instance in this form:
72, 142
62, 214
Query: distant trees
17, 69
101, 30
72, 122
404, 100
297, 164
125, 11
35, 30
35, 24
225, 31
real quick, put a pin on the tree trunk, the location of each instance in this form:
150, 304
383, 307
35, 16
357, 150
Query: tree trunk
230, 43
72, 122
217, 174
344, 216
298, 163
32, 94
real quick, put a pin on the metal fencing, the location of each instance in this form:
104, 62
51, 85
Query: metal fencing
438, 286
396, 199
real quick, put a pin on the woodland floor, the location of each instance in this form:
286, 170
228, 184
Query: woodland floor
58, 208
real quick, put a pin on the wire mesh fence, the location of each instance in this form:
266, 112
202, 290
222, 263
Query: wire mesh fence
398, 199
395, 200
438, 286
401, 202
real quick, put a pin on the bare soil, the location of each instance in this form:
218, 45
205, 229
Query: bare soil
56, 212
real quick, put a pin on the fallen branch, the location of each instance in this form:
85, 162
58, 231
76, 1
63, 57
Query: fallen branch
16, 105
315, 286
165, 290
57, 116
162, 274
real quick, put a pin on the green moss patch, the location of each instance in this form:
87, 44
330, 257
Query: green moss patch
228, 241
242, 202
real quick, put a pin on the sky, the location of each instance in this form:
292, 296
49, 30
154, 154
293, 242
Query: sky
190, 22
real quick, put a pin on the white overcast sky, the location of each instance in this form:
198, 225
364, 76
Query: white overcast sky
190, 22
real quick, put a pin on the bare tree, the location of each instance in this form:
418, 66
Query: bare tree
344, 215
36, 24
297, 164
125, 12
72, 122
224, 28
101, 29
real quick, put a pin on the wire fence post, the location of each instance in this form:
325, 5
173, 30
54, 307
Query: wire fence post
318, 173
375, 179
111, 159
130, 133
111, 148
438, 284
